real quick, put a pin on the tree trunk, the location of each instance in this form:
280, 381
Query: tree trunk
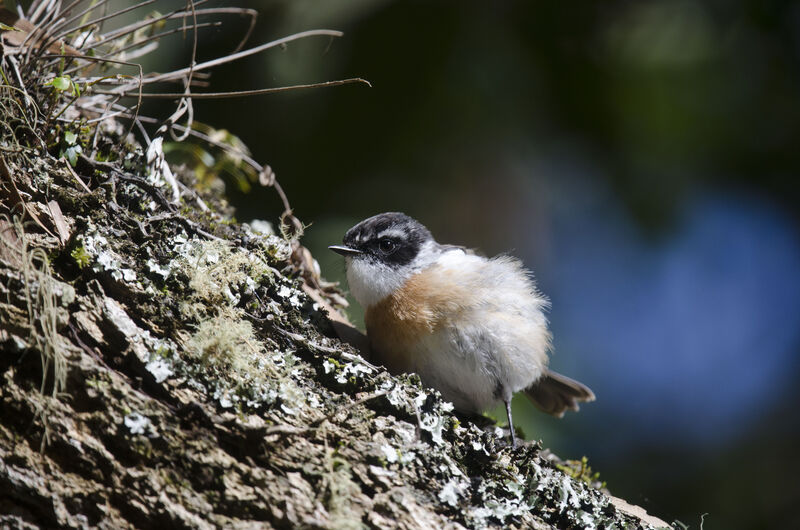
164, 368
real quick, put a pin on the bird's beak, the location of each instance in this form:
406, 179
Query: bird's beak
344, 251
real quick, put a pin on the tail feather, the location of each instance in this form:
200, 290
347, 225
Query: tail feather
555, 393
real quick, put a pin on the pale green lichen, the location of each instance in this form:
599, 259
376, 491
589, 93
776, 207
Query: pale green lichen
223, 344
452, 492
217, 273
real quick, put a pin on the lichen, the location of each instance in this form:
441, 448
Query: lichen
138, 424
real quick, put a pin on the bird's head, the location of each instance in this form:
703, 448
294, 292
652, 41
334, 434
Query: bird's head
382, 252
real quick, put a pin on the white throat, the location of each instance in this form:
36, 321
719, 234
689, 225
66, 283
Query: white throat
371, 281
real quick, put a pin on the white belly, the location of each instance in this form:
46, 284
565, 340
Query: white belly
471, 328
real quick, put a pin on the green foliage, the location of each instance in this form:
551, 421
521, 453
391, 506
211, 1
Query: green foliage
217, 155
71, 148
64, 83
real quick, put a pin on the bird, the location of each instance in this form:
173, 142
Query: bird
473, 328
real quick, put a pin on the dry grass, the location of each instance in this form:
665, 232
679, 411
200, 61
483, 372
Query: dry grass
78, 60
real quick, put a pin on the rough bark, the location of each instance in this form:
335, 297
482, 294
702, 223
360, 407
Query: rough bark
165, 366
196, 384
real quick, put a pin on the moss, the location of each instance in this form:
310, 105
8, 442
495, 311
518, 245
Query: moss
580, 470
98, 383
81, 257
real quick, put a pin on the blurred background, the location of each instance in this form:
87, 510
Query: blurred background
641, 157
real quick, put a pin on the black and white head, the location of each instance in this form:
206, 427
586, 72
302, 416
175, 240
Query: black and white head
382, 252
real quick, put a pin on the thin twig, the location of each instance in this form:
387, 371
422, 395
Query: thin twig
91, 7
75, 175
97, 20
170, 123
154, 37
132, 28
240, 55
240, 93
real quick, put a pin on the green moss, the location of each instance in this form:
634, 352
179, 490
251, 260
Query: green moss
336, 363
98, 383
142, 447
580, 470
81, 256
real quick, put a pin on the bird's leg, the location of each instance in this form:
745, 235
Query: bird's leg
507, 401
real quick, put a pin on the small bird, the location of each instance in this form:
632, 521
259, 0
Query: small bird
471, 327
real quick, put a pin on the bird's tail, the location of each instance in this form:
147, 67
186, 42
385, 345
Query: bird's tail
554, 393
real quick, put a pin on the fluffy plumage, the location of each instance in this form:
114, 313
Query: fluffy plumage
472, 327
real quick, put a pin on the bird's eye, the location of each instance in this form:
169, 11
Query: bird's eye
387, 246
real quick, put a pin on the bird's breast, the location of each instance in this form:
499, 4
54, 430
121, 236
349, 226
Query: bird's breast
399, 325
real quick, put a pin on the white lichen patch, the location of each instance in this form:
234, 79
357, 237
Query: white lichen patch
105, 258
504, 508
567, 495
160, 270
352, 370
408, 457
395, 393
313, 401
511, 502
434, 424
452, 492
588, 521
390, 454
223, 397
274, 245
329, 366
291, 295
160, 368
157, 354
261, 226
345, 371
292, 397
138, 424
420, 398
